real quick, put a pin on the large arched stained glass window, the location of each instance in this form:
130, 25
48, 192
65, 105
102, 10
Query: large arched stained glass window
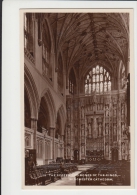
98, 79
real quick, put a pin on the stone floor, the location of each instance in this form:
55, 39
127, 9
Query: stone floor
70, 180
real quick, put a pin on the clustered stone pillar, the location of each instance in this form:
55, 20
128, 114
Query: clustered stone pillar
110, 129
52, 134
119, 128
34, 127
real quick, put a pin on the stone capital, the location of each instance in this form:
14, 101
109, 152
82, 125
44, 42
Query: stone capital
33, 119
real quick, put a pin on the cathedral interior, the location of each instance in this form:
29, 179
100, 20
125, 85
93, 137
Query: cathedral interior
77, 87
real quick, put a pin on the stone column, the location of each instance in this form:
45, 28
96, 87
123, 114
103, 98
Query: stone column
85, 120
128, 66
62, 150
129, 147
119, 136
65, 143
89, 128
45, 145
55, 72
33, 34
71, 142
113, 84
34, 127
52, 65
104, 133
110, 129
83, 140
64, 83
94, 127
52, 134
38, 48
43, 150
80, 147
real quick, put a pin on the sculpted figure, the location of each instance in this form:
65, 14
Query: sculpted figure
107, 111
123, 128
100, 129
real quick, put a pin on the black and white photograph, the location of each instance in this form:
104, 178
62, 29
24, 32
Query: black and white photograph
77, 98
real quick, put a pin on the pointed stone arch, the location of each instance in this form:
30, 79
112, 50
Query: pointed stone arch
46, 94
62, 115
32, 93
50, 34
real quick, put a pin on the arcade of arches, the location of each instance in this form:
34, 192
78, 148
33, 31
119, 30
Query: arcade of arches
77, 86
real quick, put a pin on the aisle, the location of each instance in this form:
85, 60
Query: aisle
70, 180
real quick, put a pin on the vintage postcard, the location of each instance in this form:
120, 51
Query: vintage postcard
78, 105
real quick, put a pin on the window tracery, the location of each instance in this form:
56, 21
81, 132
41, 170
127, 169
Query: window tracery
98, 79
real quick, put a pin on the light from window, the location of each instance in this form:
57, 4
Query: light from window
98, 79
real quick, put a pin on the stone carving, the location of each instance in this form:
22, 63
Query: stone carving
122, 109
107, 111
76, 134
94, 97
72, 133
101, 106
82, 149
107, 129
68, 132
89, 129
82, 132
68, 115
106, 148
94, 128
68, 151
100, 129
123, 128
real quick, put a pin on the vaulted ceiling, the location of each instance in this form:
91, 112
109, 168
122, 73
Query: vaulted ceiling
91, 38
